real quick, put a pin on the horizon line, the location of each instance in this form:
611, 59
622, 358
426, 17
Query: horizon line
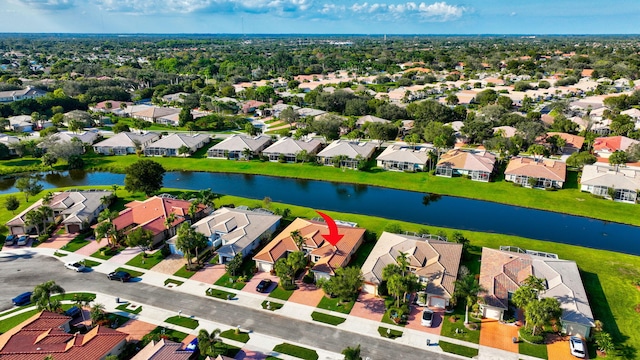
319, 34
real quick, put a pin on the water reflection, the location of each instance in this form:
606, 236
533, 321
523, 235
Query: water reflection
428, 199
7, 182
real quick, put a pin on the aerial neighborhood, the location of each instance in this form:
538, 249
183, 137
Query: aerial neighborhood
545, 127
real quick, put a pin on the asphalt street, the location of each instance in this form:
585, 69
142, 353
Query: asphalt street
22, 273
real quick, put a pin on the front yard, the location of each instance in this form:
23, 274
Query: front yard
151, 260
457, 330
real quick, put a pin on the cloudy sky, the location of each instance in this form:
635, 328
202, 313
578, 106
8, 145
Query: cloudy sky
322, 16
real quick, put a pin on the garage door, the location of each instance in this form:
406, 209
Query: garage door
264, 267
492, 313
73, 228
369, 288
437, 302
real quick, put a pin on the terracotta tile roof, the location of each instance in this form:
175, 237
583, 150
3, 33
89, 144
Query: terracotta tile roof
544, 169
468, 160
613, 143
42, 335
163, 350
152, 213
330, 257
571, 140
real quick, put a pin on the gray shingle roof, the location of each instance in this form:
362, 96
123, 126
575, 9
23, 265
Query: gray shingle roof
349, 148
239, 142
624, 178
287, 145
404, 153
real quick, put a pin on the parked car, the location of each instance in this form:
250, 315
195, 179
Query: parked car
76, 266
427, 317
23, 240
264, 285
22, 299
10, 240
119, 275
73, 312
577, 347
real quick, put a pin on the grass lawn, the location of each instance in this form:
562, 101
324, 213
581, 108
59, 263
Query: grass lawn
10, 323
386, 318
76, 243
224, 295
150, 261
133, 273
184, 273
389, 333
117, 320
327, 319
231, 334
124, 307
72, 296
539, 351
335, 305
231, 282
272, 305
297, 351
226, 350
449, 328
59, 254
458, 349
361, 254
280, 293
173, 335
183, 321
90, 263
99, 255
171, 281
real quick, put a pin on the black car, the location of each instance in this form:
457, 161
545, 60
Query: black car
119, 275
73, 312
264, 285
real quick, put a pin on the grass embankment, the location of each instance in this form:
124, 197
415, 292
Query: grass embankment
231, 334
327, 319
297, 351
183, 321
458, 349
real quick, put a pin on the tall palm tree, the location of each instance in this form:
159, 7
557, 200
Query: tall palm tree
468, 288
298, 239
96, 313
33, 218
46, 213
168, 222
41, 296
352, 353
115, 188
207, 341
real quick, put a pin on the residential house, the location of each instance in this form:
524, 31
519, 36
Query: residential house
174, 119
251, 106
635, 116
163, 349
310, 113
433, 260
505, 131
572, 143
549, 173
276, 110
82, 117
153, 113
86, 138
151, 214
401, 157
289, 148
177, 97
599, 179
110, 106
236, 231
349, 154
172, 144
370, 119
17, 95
10, 141
21, 123
125, 143
605, 146
502, 272
76, 209
478, 165
325, 257
48, 333
234, 146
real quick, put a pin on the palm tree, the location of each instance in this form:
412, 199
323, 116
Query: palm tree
106, 228
33, 218
96, 313
82, 301
168, 222
207, 341
468, 288
298, 239
115, 188
186, 241
247, 153
41, 296
46, 199
352, 353
46, 213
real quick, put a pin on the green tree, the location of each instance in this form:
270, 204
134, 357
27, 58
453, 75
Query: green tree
580, 159
468, 288
142, 238
328, 126
184, 117
186, 242
29, 186
145, 176
120, 127
207, 341
184, 150
604, 341
234, 265
41, 296
345, 284
352, 353
97, 313
289, 115
82, 300
33, 218
618, 158
540, 312
48, 160
284, 271
537, 150
11, 203
106, 228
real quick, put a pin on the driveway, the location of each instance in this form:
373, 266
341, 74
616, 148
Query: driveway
306, 294
415, 320
210, 273
91, 247
369, 307
170, 264
57, 241
125, 255
558, 348
497, 335
250, 287
136, 329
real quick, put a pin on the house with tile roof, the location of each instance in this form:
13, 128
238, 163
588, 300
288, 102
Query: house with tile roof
505, 131
325, 257
22, 94
125, 143
370, 119
233, 147
110, 106
434, 261
236, 231
171, 145
289, 148
598, 179
21, 123
477, 165
400, 157
151, 214
153, 113
605, 146
572, 143
78, 210
47, 333
163, 349
349, 153
549, 173
503, 272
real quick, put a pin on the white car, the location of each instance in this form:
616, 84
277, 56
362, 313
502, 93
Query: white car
427, 317
75, 266
577, 347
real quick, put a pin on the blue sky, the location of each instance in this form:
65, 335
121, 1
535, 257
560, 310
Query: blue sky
323, 16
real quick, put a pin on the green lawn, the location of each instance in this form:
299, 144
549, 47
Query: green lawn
458, 349
77, 243
175, 282
117, 320
184, 273
449, 328
297, 351
280, 293
231, 334
361, 254
183, 321
147, 263
335, 305
224, 295
9, 323
99, 255
59, 254
133, 273
327, 319
539, 351
231, 282
386, 318
124, 307
90, 263
173, 335
389, 333
74, 295
272, 305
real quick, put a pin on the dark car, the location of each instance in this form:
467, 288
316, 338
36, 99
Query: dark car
264, 285
119, 275
10, 240
73, 312
22, 299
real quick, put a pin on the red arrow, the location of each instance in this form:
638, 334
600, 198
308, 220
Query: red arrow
333, 237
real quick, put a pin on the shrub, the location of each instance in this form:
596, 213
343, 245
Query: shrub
308, 279
526, 335
165, 251
288, 286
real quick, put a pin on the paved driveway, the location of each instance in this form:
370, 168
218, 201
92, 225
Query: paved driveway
250, 287
57, 241
497, 335
170, 264
136, 329
558, 348
125, 255
306, 294
369, 307
415, 320
91, 247
210, 273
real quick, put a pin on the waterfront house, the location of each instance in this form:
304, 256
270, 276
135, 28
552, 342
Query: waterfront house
605, 146
163, 349
477, 165
153, 113
125, 143
621, 183
288, 148
170, 145
549, 173
234, 146
401, 157
347, 154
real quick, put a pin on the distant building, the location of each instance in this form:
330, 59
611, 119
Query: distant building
289, 148
549, 173
17, 95
234, 146
478, 165
125, 143
349, 153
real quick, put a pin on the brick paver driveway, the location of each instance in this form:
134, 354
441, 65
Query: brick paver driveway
210, 273
415, 320
255, 280
170, 264
136, 329
306, 294
369, 307
57, 241
246, 354
125, 255
558, 348
91, 248
497, 335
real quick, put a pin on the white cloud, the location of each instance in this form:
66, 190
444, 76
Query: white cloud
438, 11
194, 6
48, 4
